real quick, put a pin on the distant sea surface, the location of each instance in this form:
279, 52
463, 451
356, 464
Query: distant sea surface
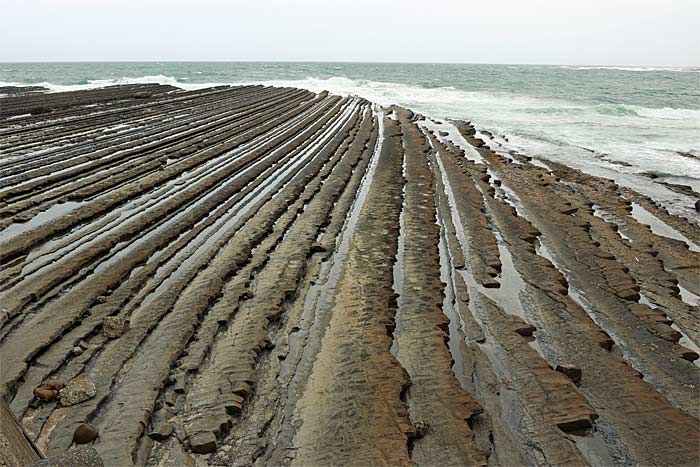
617, 122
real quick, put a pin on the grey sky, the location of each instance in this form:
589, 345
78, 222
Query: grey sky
605, 32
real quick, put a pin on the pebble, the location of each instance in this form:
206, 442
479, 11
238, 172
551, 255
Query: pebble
79, 389
113, 327
526, 330
85, 433
46, 394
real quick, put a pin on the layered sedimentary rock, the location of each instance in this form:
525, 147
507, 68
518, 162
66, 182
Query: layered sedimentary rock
268, 276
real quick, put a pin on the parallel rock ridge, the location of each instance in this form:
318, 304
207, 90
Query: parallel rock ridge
268, 276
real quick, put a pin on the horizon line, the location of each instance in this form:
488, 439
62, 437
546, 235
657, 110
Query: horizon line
341, 61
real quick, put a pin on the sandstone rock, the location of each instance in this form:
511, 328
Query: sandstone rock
203, 442
526, 330
232, 402
170, 397
79, 389
113, 327
575, 425
571, 371
85, 433
46, 394
162, 431
180, 383
162, 428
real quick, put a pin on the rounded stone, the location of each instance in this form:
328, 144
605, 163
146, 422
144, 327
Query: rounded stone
85, 433
46, 394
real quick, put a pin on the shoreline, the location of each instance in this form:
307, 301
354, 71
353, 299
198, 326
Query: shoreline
579, 133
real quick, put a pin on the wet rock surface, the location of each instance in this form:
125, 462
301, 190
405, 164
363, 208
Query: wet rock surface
268, 276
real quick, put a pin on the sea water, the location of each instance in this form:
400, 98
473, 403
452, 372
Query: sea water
617, 122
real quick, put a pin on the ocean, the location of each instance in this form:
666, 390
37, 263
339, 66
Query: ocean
617, 122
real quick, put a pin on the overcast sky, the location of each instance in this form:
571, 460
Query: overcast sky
604, 32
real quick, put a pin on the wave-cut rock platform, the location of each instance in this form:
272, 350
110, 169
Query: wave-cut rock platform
268, 276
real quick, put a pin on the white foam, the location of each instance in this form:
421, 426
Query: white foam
101, 83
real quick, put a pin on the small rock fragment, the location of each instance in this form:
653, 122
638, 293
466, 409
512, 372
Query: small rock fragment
162, 428
607, 344
318, 248
526, 330
46, 394
170, 398
77, 350
79, 389
85, 433
180, 383
113, 327
570, 370
233, 403
162, 431
203, 442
